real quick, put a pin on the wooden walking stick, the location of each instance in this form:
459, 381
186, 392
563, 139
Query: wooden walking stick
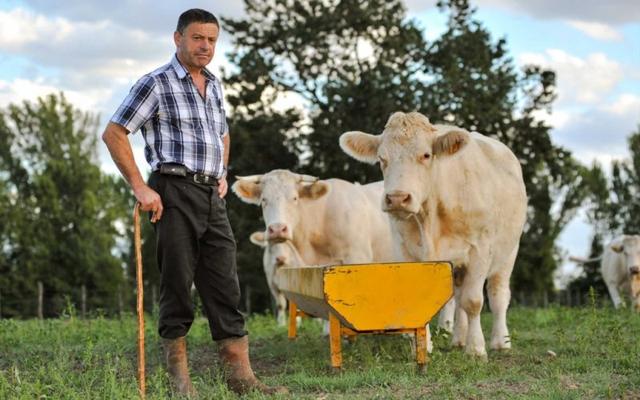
140, 304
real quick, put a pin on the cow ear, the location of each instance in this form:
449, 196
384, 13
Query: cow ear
361, 146
314, 190
258, 239
247, 190
617, 247
450, 143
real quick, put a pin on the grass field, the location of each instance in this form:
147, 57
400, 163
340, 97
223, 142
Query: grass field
597, 356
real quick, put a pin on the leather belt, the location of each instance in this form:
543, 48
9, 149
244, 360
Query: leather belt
182, 171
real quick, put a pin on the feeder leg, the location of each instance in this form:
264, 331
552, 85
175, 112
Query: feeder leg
293, 313
421, 347
334, 341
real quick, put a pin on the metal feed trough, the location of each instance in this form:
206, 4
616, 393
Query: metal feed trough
368, 298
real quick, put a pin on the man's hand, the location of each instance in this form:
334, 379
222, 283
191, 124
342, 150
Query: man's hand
149, 200
222, 187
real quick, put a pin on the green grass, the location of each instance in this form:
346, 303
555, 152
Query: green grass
597, 357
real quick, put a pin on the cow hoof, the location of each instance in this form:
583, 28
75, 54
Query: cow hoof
458, 343
479, 354
500, 345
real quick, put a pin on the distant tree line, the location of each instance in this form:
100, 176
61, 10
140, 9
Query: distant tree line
352, 63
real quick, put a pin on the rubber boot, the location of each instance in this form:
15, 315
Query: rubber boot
175, 352
234, 355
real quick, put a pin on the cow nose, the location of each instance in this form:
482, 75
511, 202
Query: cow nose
277, 231
634, 270
281, 260
397, 200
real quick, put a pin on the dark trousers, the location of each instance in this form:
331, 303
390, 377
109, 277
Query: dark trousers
195, 244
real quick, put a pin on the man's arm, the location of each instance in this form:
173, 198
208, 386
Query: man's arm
116, 138
222, 182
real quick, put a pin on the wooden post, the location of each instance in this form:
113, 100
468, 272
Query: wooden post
154, 296
293, 313
83, 294
421, 336
247, 299
120, 306
334, 341
545, 299
40, 299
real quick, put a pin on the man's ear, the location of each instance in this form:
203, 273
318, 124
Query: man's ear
177, 36
258, 239
248, 189
361, 146
313, 191
450, 143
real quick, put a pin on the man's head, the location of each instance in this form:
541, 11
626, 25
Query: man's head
195, 38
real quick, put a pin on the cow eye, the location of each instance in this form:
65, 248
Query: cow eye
426, 156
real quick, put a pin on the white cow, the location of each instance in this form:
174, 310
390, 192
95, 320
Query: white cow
276, 255
621, 269
327, 221
453, 195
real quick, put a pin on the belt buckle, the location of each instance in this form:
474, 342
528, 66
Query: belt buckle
203, 179
196, 179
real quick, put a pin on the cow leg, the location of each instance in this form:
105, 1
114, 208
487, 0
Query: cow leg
460, 324
472, 298
499, 296
281, 309
445, 318
471, 301
615, 294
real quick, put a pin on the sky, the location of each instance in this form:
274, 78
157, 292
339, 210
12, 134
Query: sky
94, 50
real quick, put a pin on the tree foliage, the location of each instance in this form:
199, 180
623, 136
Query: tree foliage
61, 209
353, 63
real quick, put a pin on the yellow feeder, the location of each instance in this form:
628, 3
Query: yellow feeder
368, 298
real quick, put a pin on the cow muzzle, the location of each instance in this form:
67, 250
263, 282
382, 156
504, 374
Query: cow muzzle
398, 201
278, 232
635, 270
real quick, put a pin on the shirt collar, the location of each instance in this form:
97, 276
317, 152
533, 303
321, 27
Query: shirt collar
182, 72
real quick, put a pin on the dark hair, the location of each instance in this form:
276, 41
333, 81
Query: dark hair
195, 15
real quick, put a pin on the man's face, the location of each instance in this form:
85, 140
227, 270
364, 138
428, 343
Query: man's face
197, 44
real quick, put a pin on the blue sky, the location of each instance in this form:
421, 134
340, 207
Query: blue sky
94, 50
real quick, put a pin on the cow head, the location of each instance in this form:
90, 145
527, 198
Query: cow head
281, 195
277, 254
407, 150
629, 248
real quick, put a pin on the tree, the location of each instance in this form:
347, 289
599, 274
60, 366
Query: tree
614, 202
354, 63
64, 210
475, 85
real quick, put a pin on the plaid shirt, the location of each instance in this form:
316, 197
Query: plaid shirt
177, 124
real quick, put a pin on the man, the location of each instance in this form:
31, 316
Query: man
179, 110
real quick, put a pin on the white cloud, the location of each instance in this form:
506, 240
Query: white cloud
21, 89
596, 30
611, 12
600, 132
147, 15
626, 105
586, 81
